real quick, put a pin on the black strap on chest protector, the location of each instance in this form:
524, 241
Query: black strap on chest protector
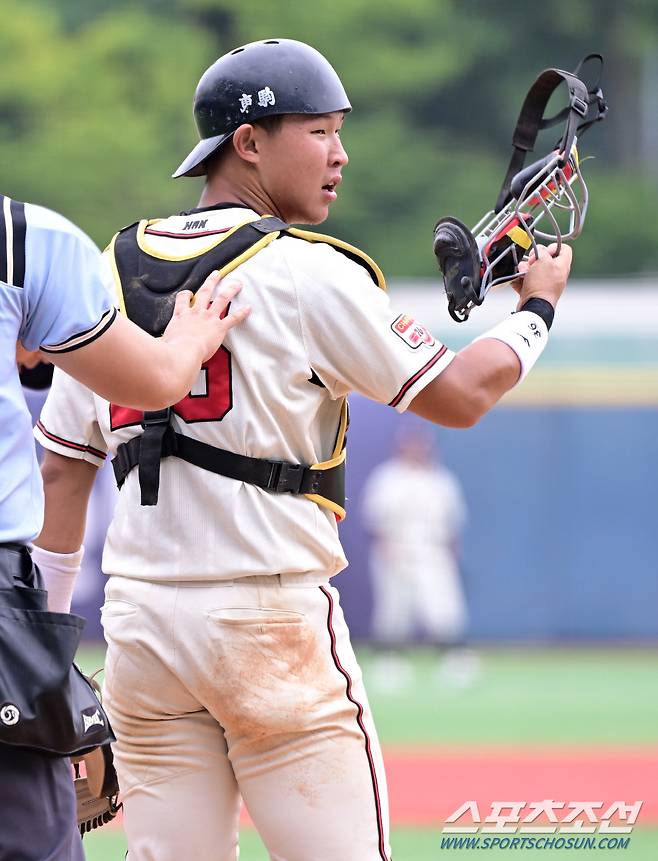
150, 285
531, 119
274, 475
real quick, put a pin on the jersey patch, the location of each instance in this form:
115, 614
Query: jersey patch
411, 332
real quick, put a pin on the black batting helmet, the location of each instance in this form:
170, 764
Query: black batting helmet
261, 79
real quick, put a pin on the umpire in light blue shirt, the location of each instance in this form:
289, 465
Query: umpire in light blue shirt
53, 299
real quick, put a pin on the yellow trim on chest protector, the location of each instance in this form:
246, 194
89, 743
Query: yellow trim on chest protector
338, 457
144, 245
118, 289
346, 248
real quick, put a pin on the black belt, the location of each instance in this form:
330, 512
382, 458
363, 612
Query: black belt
159, 440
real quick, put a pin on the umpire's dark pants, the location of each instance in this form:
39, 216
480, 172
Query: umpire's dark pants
37, 798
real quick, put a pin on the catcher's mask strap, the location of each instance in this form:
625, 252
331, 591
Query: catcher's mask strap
595, 99
531, 118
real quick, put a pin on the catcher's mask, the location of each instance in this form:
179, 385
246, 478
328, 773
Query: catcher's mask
546, 201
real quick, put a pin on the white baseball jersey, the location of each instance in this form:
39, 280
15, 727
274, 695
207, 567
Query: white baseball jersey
416, 513
319, 329
413, 505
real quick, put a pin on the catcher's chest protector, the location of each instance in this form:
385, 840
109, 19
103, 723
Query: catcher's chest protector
147, 285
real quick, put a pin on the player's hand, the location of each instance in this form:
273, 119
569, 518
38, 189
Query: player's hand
544, 276
200, 315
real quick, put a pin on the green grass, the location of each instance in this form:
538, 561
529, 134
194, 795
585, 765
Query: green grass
106, 844
409, 844
532, 697
642, 846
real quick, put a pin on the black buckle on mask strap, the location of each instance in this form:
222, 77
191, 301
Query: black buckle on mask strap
531, 118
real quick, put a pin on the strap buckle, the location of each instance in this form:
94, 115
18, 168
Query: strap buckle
156, 417
580, 106
285, 477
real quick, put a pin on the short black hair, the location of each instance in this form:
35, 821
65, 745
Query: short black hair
271, 124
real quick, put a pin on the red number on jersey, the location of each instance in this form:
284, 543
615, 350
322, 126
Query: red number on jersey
216, 397
210, 404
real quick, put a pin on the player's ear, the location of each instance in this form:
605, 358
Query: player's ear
246, 143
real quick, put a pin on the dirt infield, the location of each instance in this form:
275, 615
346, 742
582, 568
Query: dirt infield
426, 786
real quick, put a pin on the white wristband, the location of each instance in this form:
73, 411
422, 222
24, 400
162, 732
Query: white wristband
59, 571
526, 333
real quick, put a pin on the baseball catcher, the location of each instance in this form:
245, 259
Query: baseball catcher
229, 672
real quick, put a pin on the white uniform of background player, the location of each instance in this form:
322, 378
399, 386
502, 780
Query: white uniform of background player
229, 667
414, 507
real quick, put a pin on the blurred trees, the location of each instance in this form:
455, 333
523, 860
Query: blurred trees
95, 109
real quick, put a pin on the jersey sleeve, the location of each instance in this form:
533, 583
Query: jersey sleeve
61, 275
354, 339
68, 423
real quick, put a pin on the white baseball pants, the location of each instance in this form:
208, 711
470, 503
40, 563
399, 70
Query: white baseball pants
416, 586
241, 688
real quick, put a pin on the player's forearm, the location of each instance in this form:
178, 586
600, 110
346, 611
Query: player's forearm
129, 367
166, 372
470, 386
182, 357
67, 485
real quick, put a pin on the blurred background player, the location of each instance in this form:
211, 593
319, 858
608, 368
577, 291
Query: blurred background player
414, 508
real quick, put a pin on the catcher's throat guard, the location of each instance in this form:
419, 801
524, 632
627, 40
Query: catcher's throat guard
545, 201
